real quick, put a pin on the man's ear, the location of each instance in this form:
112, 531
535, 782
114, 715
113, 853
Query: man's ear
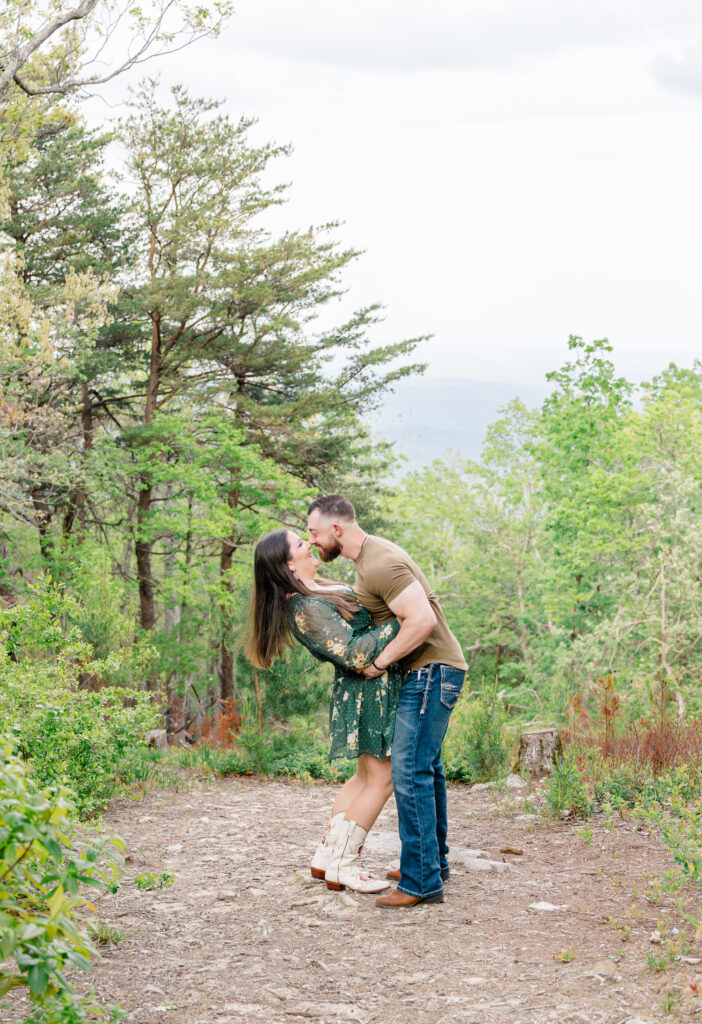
338, 530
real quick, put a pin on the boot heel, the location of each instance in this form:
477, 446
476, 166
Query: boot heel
335, 886
317, 873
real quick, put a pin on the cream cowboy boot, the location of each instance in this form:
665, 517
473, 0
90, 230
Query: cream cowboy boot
322, 854
344, 867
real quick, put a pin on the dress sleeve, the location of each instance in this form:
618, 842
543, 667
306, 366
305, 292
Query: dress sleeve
318, 625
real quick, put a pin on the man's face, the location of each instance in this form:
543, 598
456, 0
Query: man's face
324, 536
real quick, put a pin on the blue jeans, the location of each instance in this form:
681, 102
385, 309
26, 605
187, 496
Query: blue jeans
428, 697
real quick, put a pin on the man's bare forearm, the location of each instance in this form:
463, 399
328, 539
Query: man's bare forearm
411, 636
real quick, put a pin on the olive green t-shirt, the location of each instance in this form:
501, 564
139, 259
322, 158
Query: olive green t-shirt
383, 571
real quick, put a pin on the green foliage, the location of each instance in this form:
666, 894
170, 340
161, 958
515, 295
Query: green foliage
670, 1000
104, 932
567, 790
298, 751
660, 961
475, 748
148, 880
69, 734
44, 865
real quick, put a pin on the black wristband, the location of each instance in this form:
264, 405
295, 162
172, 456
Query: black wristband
377, 666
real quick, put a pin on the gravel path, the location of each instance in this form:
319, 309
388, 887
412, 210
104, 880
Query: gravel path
244, 934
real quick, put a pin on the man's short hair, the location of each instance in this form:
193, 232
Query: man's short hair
334, 506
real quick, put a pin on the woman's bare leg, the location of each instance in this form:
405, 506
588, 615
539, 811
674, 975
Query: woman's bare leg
367, 803
350, 790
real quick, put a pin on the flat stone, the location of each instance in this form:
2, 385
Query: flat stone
515, 782
344, 1011
383, 842
605, 967
542, 905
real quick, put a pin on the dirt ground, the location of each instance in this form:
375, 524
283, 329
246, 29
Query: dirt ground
244, 934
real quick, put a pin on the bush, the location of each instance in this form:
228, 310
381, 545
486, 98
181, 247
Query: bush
475, 748
567, 788
298, 751
71, 735
43, 864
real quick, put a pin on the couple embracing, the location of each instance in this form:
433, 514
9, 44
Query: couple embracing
398, 674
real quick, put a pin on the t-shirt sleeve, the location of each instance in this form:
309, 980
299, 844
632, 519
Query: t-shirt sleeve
388, 576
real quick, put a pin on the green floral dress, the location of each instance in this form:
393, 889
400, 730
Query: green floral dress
362, 711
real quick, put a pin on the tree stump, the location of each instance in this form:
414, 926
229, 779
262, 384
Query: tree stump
157, 738
538, 750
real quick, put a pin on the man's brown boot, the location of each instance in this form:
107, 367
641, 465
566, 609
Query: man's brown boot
401, 899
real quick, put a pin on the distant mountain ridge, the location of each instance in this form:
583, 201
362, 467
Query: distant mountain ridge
429, 419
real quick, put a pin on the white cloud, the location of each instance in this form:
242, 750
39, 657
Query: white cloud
461, 34
682, 72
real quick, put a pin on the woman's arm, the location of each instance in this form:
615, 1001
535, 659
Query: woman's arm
319, 626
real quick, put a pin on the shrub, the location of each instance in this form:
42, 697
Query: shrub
475, 748
300, 750
73, 735
567, 788
43, 864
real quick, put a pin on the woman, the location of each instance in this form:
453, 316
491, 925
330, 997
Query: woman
288, 601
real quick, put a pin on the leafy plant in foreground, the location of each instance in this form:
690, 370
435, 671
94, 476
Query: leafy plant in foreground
44, 863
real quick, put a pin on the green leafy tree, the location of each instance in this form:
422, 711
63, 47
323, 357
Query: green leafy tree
226, 313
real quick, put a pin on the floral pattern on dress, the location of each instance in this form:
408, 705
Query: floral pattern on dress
362, 711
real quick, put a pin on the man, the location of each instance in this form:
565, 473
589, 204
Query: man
388, 583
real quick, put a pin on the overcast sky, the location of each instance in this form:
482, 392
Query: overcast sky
515, 170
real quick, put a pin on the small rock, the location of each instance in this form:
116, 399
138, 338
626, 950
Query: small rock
513, 850
655, 937
157, 738
479, 787
605, 967
474, 980
465, 858
174, 848
284, 993
515, 782
344, 1011
691, 960
542, 905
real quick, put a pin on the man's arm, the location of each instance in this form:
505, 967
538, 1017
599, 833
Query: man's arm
417, 619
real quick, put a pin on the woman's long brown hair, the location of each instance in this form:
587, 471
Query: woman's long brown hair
268, 632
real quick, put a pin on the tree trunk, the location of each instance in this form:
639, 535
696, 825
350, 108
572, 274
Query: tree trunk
538, 750
143, 545
226, 658
142, 549
43, 519
77, 506
229, 546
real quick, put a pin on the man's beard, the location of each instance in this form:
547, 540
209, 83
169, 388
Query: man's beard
330, 553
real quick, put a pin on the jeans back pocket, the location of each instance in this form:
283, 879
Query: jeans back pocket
452, 680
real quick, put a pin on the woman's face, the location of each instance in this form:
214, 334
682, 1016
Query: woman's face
302, 562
